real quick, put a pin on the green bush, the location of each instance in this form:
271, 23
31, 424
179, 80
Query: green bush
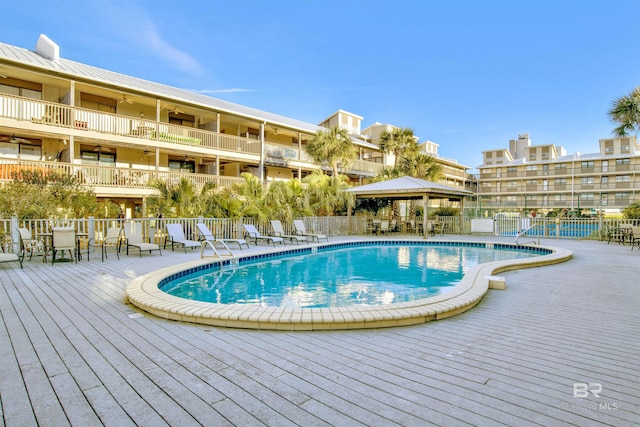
632, 211
445, 211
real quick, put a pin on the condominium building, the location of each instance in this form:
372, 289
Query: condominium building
116, 133
544, 178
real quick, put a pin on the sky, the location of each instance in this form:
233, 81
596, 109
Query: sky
468, 75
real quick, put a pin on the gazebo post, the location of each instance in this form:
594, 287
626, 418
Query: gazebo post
425, 201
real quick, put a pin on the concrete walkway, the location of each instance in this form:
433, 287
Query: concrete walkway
560, 346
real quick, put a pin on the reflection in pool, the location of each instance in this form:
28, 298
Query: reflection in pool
340, 277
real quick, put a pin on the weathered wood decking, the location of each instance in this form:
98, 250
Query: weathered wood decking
72, 352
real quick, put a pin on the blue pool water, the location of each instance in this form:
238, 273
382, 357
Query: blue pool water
338, 277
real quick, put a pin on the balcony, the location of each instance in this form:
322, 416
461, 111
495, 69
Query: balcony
105, 176
44, 116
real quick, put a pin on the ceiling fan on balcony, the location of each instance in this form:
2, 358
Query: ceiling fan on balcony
174, 110
100, 149
126, 99
14, 139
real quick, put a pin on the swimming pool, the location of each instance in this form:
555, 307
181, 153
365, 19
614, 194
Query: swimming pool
144, 292
340, 276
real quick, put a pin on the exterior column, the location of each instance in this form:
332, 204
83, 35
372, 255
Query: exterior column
261, 165
462, 215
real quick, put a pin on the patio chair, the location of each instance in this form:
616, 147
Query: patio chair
278, 230
206, 234
113, 239
175, 234
133, 237
301, 230
31, 246
64, 239
252, 233
385, 227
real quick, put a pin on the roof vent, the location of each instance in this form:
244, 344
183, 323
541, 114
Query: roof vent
47, 48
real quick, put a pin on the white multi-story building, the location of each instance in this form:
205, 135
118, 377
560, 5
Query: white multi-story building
116, 132
544, 178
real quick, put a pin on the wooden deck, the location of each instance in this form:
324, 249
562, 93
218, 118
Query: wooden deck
73, 353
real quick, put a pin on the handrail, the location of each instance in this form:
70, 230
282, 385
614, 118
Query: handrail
217, 254
523, 232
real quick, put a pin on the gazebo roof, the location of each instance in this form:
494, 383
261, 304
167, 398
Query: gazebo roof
406, 188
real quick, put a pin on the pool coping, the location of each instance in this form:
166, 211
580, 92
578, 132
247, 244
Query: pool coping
144, 293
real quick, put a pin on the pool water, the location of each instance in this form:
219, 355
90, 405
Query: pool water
346, 276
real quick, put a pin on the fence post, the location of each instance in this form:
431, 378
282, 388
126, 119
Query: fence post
91, 228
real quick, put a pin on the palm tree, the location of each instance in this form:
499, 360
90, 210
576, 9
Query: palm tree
333, 146
327, 196
626, 112
421, 165
397, 142
180, 200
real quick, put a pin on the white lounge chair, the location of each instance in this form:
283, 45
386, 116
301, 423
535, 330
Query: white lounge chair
301, 230
278, 230
133, 236
207, 235
175, 234
253, 234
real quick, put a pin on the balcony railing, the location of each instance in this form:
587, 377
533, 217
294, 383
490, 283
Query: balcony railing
109, 176
82, 119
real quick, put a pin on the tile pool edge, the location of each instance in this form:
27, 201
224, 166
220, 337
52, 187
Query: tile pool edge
144, 293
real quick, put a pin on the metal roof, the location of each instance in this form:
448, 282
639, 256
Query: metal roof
407, 187
78, 71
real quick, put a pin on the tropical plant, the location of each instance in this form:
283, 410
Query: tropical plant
632, 211
54, 194
333, 147
327, 196
397, 141
625, 111
179, 200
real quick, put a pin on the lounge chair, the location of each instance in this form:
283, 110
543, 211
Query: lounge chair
113, 239
176, 236
206, 234
252, 233
133, 237
278, 230
301, 230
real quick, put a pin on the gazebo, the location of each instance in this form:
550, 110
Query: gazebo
409, 188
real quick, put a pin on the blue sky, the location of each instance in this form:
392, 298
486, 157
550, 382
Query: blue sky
468, 75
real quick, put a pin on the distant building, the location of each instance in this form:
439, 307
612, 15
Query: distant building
544, 178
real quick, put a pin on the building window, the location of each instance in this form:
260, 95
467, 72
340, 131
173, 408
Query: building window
512, 169
561, 166
624, 149
622, 162
623, 178
560, 197
512, 184
561, 181
587, 165
532, 157
622, 195
532, 167
587, 181
532, 182
608, 150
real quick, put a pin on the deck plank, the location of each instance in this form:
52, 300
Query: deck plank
72, 353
